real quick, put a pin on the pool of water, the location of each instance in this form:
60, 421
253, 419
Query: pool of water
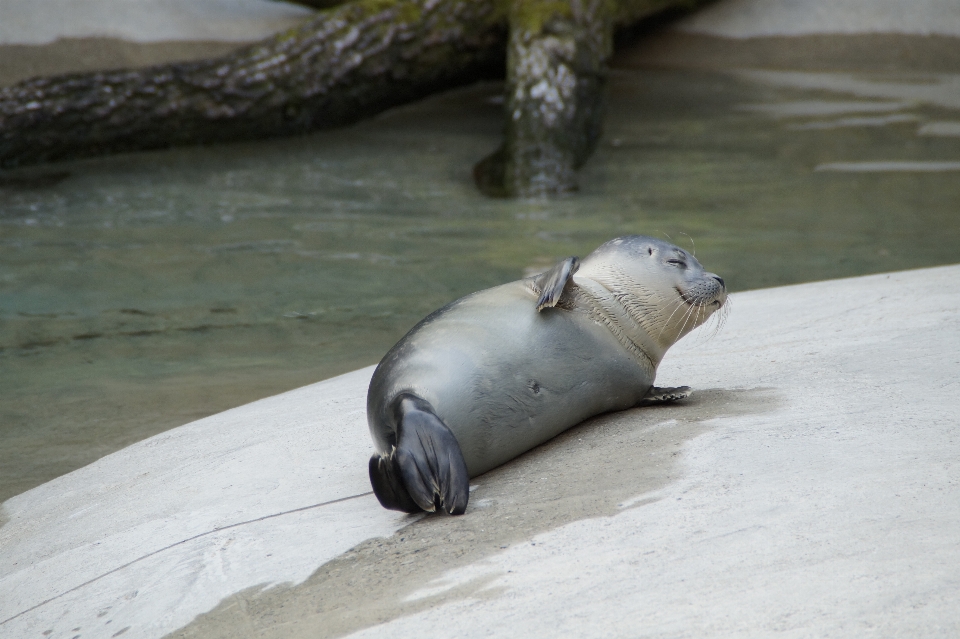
143, 291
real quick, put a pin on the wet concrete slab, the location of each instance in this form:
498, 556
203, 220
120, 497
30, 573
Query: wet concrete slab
867, 52
810, 486
90, 54
62, 36
808, 35
26, 22
760, 18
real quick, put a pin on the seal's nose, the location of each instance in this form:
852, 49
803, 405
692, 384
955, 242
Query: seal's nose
719, 279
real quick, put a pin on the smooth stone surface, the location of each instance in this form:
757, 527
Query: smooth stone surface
78, 55
51, 37
32, 22
821, 496
814, 35
759, 18
151, 536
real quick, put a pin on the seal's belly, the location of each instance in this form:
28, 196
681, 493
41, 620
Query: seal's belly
505, 378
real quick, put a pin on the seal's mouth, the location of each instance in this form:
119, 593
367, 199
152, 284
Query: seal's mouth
690, 301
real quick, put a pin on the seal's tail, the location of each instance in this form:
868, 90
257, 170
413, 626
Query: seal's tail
387, 485
425, 470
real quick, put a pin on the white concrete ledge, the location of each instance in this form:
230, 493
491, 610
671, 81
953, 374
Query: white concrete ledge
764, 18
832, 507
135, 533
43, 21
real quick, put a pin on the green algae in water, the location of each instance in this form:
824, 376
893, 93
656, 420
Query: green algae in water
140, 292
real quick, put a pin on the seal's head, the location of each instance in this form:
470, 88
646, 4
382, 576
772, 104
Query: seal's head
661, 287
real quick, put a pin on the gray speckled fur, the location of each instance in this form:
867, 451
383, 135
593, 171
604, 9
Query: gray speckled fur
505, 378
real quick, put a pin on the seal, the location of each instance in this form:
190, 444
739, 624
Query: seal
491, 375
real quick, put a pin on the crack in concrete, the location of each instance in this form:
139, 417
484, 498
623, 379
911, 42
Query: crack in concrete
174, 545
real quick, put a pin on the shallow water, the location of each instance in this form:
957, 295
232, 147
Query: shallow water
143, 291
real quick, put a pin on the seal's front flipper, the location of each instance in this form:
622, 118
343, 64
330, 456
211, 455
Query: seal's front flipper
387, 486
552, 282
657, 395
429, 459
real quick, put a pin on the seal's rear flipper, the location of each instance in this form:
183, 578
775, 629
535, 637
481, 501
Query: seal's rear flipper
657, 395
385, 479
552, 282
429, 459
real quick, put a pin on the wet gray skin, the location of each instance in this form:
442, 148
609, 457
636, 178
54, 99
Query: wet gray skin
503, 376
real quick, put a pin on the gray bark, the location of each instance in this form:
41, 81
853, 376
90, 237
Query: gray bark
555, 96
556, 74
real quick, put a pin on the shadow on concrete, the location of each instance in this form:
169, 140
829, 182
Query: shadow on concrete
593, 470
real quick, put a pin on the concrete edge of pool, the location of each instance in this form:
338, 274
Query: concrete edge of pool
822, 496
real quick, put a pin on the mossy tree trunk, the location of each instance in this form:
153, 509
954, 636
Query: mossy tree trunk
555, 96
556, 73
351, 61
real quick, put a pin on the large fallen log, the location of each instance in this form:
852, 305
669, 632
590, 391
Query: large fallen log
347, 63
350, 62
